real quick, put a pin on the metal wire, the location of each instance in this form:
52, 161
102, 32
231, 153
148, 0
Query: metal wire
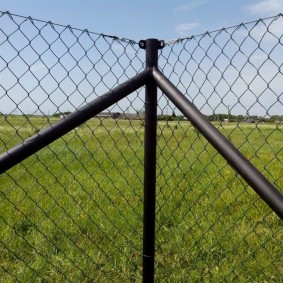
233, 75
73, 211
59, 203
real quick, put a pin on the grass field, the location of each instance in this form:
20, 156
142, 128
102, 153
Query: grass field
73, 211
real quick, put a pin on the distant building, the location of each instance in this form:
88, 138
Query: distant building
250, 120
108, 115
117, 115
132, 116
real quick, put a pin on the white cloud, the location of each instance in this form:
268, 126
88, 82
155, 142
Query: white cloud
266, 8
184, 8
194, 4
184, 28
38, 67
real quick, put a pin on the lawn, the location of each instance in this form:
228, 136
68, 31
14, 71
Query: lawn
73, 211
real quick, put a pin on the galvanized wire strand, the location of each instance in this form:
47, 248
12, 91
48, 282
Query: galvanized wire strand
53, 25
208, 33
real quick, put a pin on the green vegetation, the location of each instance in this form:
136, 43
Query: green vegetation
73, 211
222, 117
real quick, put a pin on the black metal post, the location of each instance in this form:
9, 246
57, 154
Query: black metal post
45, 137
250, 174
151, 46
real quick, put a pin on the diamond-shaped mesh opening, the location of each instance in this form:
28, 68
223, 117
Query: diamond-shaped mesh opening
72, 212
210, 225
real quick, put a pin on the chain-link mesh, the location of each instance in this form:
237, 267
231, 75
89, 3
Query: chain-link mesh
211, 226
73, 211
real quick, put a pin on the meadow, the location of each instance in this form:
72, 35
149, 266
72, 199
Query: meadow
72, 212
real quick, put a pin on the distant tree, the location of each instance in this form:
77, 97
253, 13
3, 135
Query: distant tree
180, 117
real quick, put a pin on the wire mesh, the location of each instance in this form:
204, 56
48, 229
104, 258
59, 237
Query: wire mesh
65, 211
211, 226
73, 211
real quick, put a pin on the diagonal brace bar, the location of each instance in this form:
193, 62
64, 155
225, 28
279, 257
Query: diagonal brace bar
57, 130
233, 156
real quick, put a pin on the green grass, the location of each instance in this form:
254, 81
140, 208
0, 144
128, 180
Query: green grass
73, 211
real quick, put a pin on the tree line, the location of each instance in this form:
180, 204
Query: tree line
221, 117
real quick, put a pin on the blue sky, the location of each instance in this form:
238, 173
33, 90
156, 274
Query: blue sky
146, 19
34, 76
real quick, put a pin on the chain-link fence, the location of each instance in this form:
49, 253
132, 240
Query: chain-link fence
73, 211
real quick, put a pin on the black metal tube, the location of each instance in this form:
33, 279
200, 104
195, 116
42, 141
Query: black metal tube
251, 175
46, 136
150, 165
